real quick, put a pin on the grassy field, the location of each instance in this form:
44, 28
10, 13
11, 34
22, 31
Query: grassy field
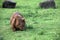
42, 24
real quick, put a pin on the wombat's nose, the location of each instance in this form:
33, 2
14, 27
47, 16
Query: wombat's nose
22, 28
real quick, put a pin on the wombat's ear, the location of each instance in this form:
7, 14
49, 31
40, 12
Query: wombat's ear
23, 19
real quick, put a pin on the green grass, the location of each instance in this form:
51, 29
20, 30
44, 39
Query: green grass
42, 24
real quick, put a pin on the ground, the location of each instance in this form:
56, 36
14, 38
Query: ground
42, 24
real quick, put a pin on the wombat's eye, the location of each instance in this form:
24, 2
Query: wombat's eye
23, 21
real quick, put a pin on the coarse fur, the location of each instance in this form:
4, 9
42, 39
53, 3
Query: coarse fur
48, 4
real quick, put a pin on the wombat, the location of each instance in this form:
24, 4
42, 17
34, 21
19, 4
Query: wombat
17, 21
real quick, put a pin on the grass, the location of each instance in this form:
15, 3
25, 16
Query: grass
42, 24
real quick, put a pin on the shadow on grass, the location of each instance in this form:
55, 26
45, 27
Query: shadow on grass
42, 33
22, 6
29, 27
17, 7
26, 28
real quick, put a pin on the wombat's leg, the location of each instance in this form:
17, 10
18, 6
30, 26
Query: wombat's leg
21, 28
13, 24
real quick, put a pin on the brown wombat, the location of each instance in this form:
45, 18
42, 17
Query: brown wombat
17, 21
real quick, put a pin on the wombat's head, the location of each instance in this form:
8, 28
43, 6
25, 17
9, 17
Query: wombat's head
20, 22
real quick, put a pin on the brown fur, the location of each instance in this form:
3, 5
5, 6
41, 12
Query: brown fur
17, 21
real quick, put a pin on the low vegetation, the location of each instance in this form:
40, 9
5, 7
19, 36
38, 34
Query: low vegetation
42, 24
